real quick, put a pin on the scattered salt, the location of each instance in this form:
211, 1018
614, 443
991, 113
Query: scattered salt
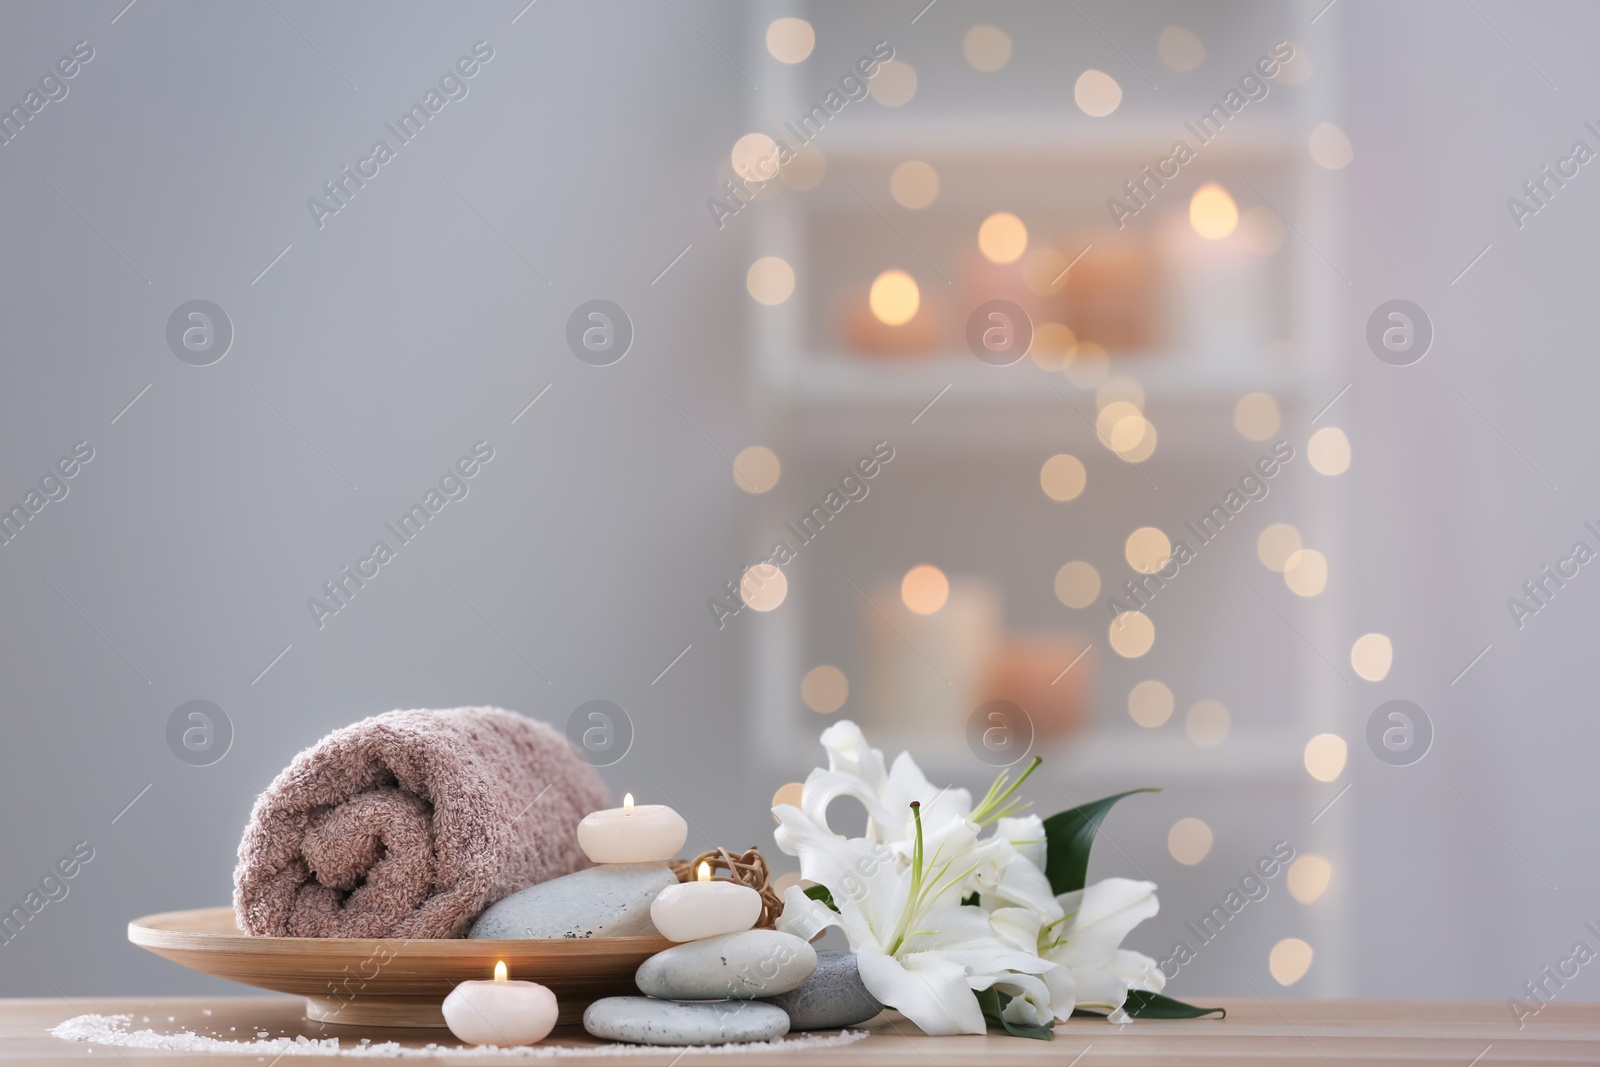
115, 1030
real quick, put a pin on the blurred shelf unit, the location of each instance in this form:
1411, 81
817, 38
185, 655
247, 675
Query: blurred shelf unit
1197, 323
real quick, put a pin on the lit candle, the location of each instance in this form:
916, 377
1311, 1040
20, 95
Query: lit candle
647, 833
690, 911
500, 1012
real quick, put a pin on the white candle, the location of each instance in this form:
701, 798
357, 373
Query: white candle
500, 1012
691, 911
647, 833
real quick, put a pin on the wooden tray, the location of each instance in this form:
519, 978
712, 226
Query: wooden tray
389, 981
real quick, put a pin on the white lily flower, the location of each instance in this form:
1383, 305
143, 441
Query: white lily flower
919, 950
1088, 943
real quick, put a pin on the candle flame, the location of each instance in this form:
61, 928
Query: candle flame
500, 970
627, 803
703, 873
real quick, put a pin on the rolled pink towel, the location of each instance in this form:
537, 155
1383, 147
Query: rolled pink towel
410, 823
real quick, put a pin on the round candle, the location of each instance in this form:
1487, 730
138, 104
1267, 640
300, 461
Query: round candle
500, 1012
691, 911
646, 833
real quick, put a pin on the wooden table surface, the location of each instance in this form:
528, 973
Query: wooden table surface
1282, 1033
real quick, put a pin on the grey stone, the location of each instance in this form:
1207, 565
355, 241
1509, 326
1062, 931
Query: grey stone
832, 998
607, 900
754, 963
647, 1021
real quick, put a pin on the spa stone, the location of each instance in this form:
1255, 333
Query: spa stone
755, 963
645, 1021
610, 900
832, 998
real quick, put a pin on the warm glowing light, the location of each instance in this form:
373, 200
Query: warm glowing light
1096, 93
1063, 477
1180, 49
1112, 413
986, 48
755, 157
1261, 232
790, 794
894, 84
1255, 416
1044, 270
1052, 345
914, 185
894, 297
1147, 550
627, 803
1132, 633
1276, 544
1002, 238
702, 873
756, 469
763, 586
1150, 704
790, 40
1306, 572
1207, 723
1088, 365
1309, 876
924, 589
1212, 212
1372, 655
1329, 451
1077, 584
824, 689
1330, 147
1325, 757
499, 970
1289, 961
770, 280
1189, 841
1134, 438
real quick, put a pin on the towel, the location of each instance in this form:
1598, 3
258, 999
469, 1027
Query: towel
410, 823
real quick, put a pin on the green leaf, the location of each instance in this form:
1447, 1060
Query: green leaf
1144, 1005
820, 892
993, 1002
1068, 835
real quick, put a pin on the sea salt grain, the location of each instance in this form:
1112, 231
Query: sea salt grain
114, 1030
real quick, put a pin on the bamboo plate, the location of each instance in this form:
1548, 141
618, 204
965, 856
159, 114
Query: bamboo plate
390, 981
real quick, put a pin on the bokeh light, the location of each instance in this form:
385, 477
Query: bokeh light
1132, 634
1306, 572
1329, 451
1309, 876
1207, 723
789, 794
1062, 477
1212, 212
756, 469
1096, 93
1189, 841
894, 297
763, 586
1077, 584
1180, 49
1325, 757
1276, 544
1147, 550
914, 184
1255, 416
755, 157
1371, 656
1002, 238
924, 589
1330, 147
790, 40
770, 280
824, 689
894, 84
986, 48
1289, 961
1150, 703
